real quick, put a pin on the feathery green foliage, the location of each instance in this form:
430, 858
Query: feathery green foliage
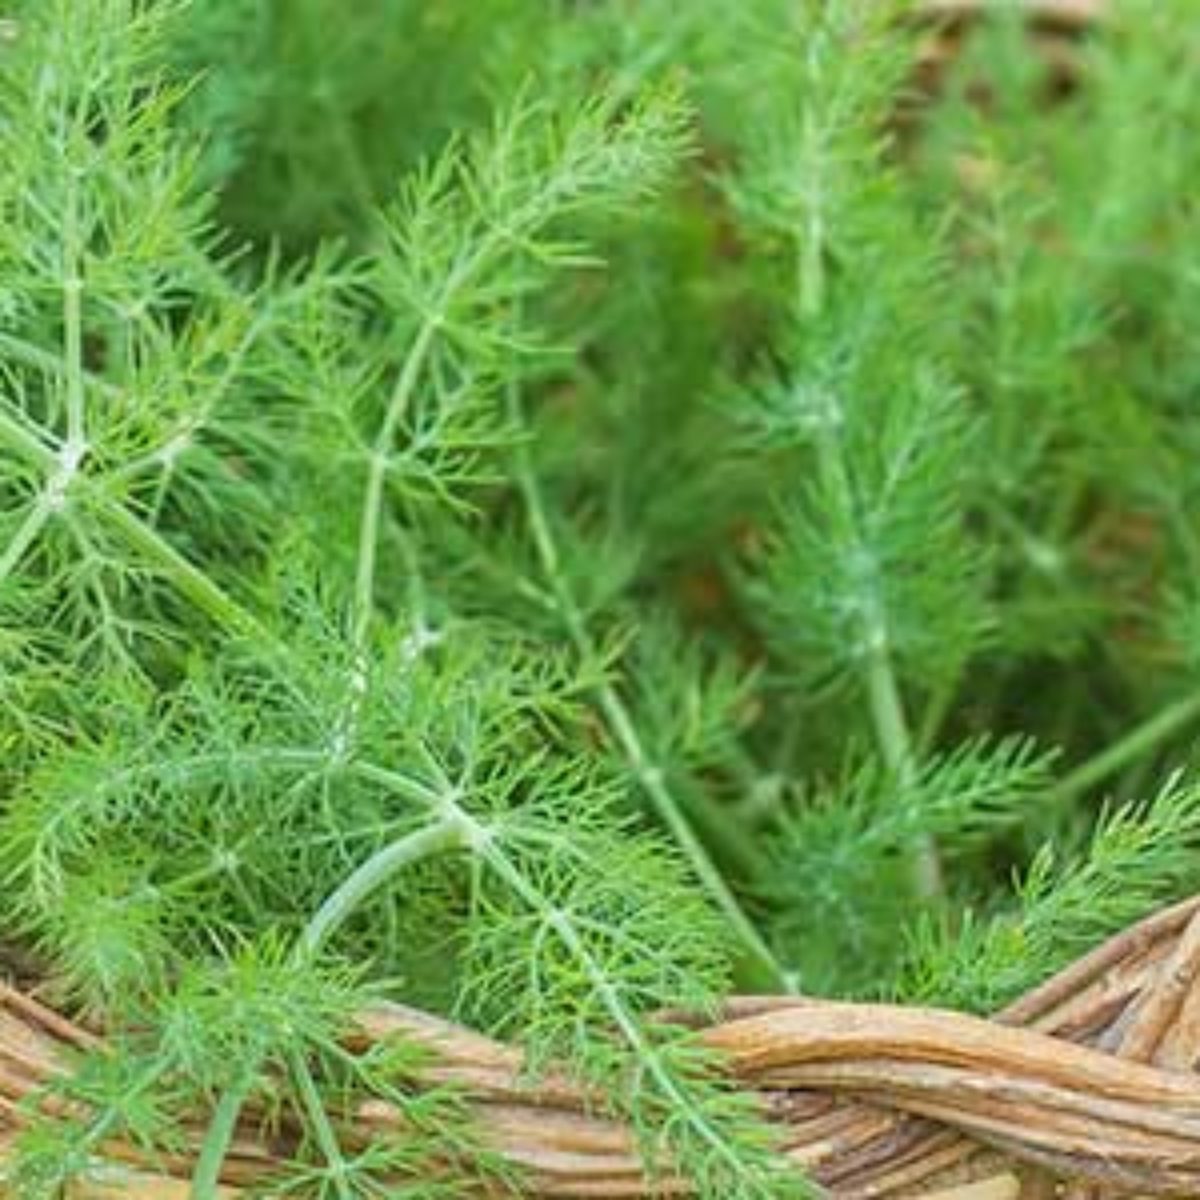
553, 512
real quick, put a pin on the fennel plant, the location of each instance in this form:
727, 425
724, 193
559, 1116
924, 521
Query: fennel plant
552, 512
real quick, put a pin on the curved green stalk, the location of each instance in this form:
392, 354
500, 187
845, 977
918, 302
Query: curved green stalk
445, 834
397, 404
370, 876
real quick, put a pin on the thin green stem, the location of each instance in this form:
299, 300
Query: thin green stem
187, 578
887, 714
106, 1120
368, 526
895, 747
670, 812
731, 839
327, 1140
887, 707
374, 873
495, 236
624, 732
206, 1176
72, 299
24, 537
1138, 741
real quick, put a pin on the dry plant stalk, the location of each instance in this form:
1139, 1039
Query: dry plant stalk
1089, 1079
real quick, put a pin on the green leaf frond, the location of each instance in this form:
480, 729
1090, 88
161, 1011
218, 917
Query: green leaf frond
1140, 855
838, 871
264, 796
268, 1024
871, 559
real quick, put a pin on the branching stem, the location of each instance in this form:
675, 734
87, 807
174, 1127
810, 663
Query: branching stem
624, 731
626, 1023
492, 239
188, 579
886, 704
25, 535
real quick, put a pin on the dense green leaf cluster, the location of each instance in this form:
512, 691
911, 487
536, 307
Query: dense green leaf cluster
554, 511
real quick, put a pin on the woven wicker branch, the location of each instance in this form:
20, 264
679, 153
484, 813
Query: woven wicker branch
1091, 1079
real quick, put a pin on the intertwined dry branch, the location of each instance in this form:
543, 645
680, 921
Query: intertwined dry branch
1090, 1080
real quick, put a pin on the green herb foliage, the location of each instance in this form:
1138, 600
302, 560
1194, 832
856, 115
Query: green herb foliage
551, 512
